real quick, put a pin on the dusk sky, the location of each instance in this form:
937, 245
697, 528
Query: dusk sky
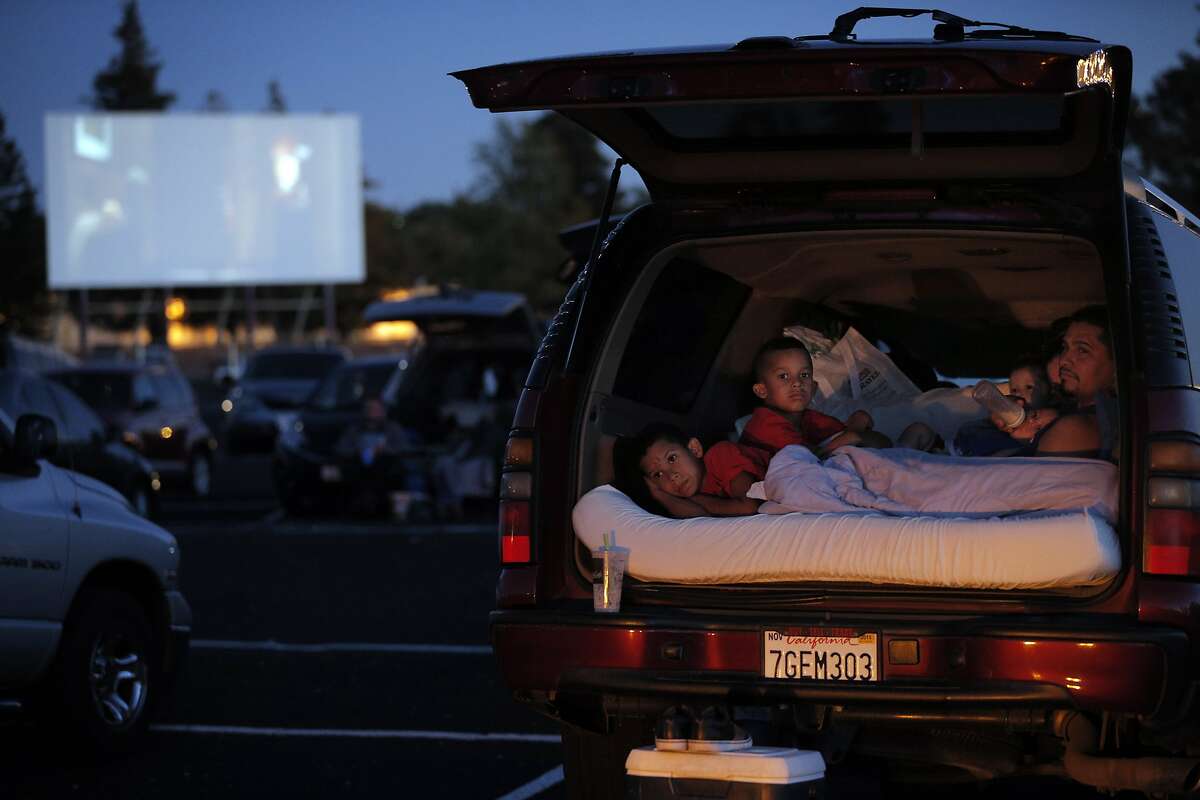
387, 61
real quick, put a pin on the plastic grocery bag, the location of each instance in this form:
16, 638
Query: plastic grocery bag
852, 373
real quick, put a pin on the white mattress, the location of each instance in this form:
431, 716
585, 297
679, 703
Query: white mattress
1039, 550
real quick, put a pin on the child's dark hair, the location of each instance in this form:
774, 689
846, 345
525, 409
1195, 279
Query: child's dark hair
1035, 364
627, 455
776, 345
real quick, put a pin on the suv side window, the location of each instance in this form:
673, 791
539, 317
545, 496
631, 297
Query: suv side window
81, 423
6, 435
36, 399
144, 390
459, 378
1182, 248
183, 391
678, 332
168, 393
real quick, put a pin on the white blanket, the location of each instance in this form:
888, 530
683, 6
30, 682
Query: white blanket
909, 482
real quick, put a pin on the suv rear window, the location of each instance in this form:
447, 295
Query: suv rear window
678, 332
292, 366
104, 391
877, 123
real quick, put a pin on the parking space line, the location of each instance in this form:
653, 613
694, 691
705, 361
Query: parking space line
272, 646
354, 733
536, 786
293, 527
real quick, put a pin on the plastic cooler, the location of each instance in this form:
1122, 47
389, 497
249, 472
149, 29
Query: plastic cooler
757, 773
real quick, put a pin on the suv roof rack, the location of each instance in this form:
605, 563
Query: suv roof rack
951, 27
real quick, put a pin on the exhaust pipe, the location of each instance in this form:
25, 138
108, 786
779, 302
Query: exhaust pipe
1150, 775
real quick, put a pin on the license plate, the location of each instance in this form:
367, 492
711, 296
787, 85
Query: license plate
331, 473
820, 656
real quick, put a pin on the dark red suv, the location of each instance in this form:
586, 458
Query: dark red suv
954, 197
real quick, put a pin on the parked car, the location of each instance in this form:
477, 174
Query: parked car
92, 622
953, 197
83, 443
461, 384
151, 408
270, 391
309, 469
20, 352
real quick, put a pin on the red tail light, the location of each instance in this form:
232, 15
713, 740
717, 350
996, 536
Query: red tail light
515, 539
1171, 544
516, 502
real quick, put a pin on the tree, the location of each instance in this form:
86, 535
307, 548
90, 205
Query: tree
1165, 126
214, 101
24, 303
130, 81
534, 179
275, 102
548, 167
482, 245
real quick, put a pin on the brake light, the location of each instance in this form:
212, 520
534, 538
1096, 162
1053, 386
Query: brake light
515, 540
1172, 534
516, 502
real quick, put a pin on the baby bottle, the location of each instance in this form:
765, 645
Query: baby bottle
1004, 408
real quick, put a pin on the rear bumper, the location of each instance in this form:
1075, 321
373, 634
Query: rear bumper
1086, 665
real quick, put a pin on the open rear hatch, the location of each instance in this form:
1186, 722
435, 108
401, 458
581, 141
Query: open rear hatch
465, 314
1007, 104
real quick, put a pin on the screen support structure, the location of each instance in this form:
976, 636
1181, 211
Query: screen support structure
251, 313
83, 323
330, 314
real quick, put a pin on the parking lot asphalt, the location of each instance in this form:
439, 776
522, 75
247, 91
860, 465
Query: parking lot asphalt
338, 658
330, 658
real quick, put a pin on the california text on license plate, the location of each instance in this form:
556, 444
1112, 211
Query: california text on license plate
821, 655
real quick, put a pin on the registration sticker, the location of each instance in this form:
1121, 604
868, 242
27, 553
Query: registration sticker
821, 655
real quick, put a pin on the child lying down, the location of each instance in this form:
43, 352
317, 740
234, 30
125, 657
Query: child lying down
667, 473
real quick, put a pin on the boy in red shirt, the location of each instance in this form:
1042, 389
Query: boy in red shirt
683, 478
783, 372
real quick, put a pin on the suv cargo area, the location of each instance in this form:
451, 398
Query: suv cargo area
951, 201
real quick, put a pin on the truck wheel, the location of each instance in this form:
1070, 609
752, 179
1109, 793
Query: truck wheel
594, 763
106, 674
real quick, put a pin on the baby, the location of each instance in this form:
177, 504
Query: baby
683, 478
1028, 384
783, 373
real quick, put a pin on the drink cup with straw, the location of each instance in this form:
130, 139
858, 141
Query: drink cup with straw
609, 572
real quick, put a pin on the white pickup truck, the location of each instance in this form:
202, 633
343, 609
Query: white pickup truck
92, 622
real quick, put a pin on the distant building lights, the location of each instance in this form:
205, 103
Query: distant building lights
175, 309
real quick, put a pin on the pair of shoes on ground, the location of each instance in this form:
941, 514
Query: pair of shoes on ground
714, 731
